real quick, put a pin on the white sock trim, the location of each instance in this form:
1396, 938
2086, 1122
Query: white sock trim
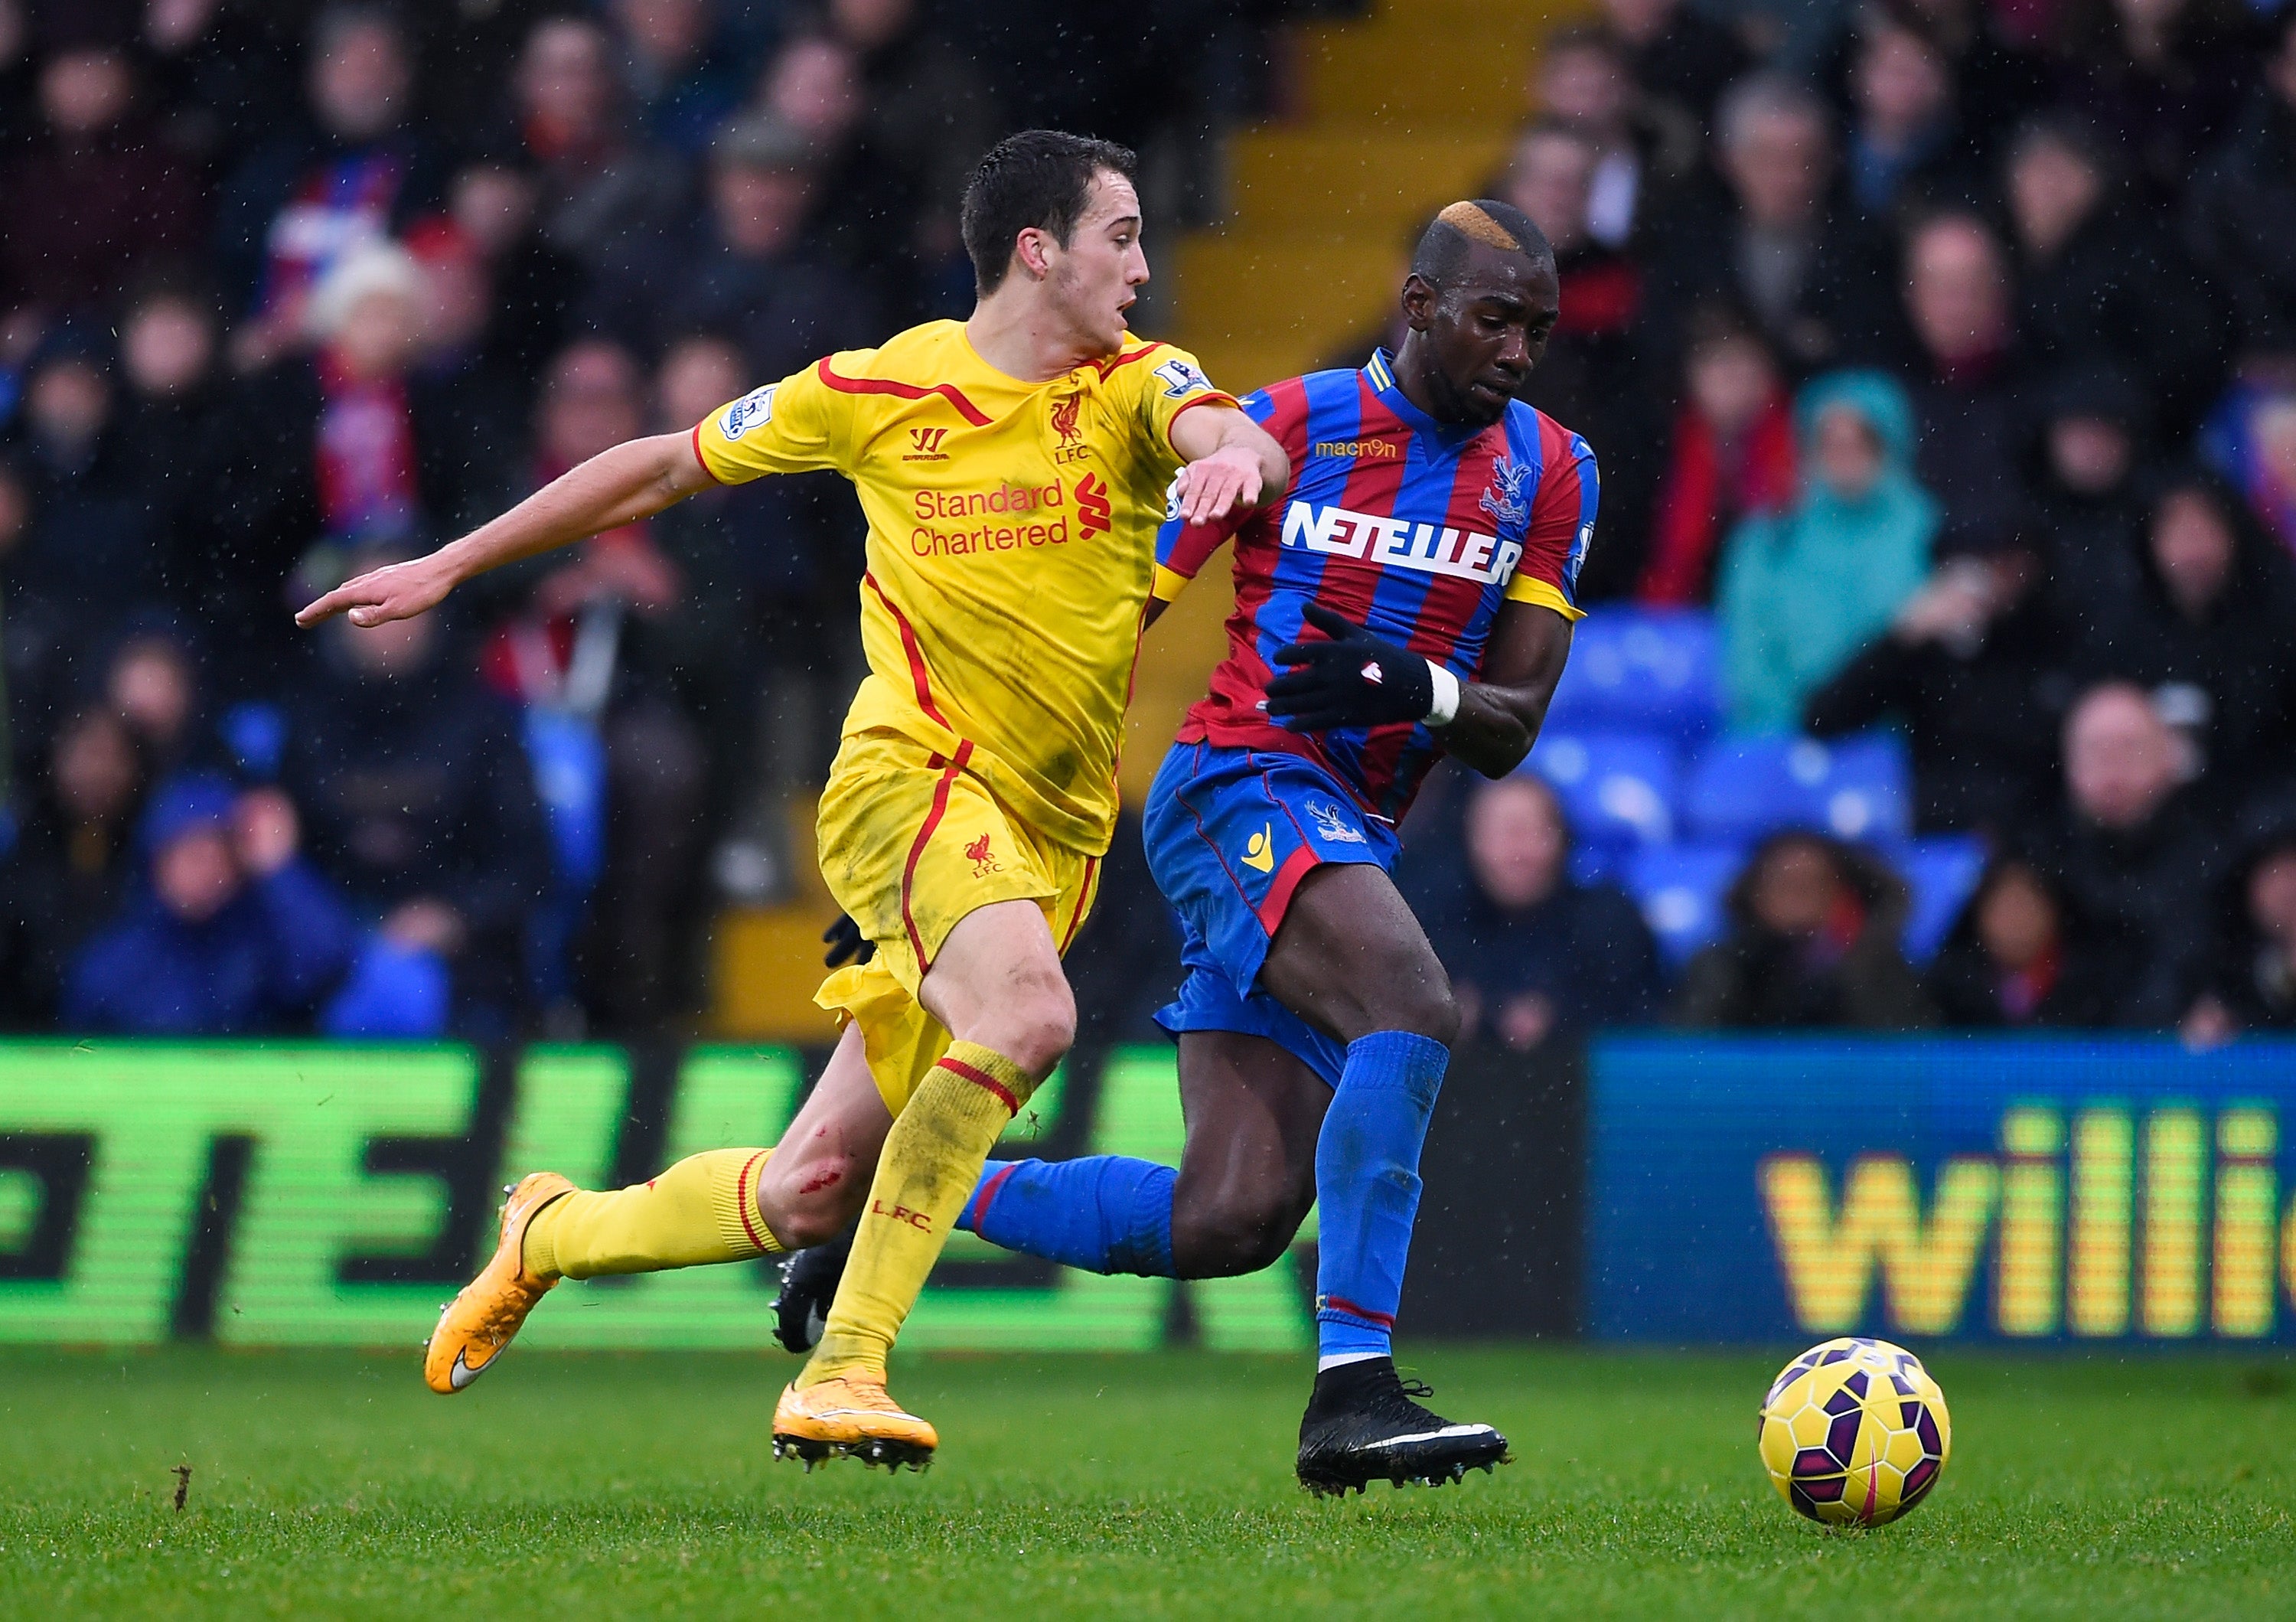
1341, 1359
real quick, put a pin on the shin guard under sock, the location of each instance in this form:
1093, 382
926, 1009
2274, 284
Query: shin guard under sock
1367, 1188
1105, 1213
931, 1163
703, 1210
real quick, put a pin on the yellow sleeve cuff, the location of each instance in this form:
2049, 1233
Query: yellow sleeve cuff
1167, 584
1525, 588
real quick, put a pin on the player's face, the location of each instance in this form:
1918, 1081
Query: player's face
1487, 331
1093, 279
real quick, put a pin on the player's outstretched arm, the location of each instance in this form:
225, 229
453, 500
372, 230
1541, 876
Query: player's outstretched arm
1231, 462
635, 479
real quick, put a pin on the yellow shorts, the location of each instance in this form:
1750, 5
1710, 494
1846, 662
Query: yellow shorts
910, 842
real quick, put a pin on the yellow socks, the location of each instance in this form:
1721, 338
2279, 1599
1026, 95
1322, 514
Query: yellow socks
931, 1159
703, 1210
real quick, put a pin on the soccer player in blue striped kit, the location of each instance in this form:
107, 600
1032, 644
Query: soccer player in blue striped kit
1411, 595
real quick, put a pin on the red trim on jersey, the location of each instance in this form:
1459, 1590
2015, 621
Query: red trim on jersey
916, 850
981, 1079
742, 1200
918, 676
1287, 880
907, 391
1216, 398
1104, 367
703, 460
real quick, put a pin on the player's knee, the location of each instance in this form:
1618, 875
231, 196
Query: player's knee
1245, 1232
1421, 1004
1035, 1026
814, 1201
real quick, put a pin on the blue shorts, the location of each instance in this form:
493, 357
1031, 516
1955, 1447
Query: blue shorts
1230, 834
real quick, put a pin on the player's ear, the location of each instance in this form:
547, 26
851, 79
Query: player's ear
1418, 302
1032, 252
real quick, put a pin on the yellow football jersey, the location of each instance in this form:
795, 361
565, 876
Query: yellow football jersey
1012, 538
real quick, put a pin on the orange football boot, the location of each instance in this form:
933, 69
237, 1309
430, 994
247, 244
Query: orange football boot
477, 1324
849, 1418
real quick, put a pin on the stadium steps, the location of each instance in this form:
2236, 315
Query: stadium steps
1403, 110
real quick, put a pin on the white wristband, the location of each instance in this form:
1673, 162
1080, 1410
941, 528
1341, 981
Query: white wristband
1445, 707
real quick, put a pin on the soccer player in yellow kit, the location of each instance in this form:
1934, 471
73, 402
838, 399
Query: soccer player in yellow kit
1014, 469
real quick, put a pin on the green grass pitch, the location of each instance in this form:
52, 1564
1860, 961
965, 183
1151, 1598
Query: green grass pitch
330, 1485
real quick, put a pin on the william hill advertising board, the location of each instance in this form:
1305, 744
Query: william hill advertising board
2011, 1190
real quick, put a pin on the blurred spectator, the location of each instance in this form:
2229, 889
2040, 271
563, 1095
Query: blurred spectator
682, 82
1676, 54
2208, 635
151, 684
749, 268
2083, 515
420, 805
92, 554
2162, 77
636, 961
69, 869
1970, 668
1962, 382
1998, 78
1643, 149
358, 172
1731, 458
2251, 980
2018, 956
99, 200
1532, 955
1904, 146
1801, 591
1781, 243
1590, 377
175, 424
1813, 941
2100, 280
230, 934
2129, 847
600, 184
2240, 212
222, 75
930, 114
495, 207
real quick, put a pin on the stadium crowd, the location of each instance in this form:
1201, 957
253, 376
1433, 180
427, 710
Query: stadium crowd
1943, 352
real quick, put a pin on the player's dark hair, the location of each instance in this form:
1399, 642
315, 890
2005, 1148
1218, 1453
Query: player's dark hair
1441, 256
1040, 178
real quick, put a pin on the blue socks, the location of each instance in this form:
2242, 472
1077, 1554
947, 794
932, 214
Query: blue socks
1106, 1213
1113, 1214
1367, 1189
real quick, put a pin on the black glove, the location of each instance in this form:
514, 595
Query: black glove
845, 944
1355, 679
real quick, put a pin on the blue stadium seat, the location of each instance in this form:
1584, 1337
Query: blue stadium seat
1680, 888
1942, 872
1856, 789
1655, 670
1618, 789
569, 760
255, 734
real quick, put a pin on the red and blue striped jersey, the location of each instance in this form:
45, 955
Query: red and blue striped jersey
1416, 529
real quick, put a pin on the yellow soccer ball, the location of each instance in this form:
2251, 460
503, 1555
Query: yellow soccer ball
1855, 1432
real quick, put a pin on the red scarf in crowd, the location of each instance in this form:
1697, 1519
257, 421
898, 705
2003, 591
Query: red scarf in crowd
1704, 495
366, 450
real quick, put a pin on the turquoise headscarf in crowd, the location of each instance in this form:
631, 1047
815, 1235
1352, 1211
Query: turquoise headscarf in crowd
1802, 591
